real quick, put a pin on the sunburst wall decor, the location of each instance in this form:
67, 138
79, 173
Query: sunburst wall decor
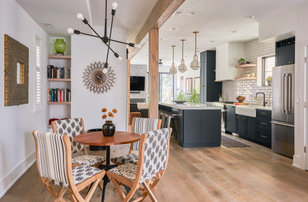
96, 80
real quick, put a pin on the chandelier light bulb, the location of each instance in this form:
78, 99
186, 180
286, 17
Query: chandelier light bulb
173, 69
105, 70
137, 45
114, 6
70, 30
80, 16
195, 64
182, 67
120, 58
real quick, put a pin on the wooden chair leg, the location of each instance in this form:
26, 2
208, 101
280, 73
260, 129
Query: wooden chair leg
60, 195
148, 189
91, 192
118, 188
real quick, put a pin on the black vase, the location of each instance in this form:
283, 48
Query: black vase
108, 129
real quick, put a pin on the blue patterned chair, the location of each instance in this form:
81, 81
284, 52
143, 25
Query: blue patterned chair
53, 161
73, 127
139, 126
144, 176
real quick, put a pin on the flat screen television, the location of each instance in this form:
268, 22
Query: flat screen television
137, 83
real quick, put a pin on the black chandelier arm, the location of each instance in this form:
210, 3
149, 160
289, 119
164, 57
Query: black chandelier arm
105, 28
110, 32
117, 41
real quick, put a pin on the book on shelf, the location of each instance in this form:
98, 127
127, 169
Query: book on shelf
54, 72
59, 95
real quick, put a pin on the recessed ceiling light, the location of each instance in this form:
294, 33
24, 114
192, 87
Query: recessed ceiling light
191, 13
250, 16
173, 29
48, 25
176, 13
212, 41
162, 39
234, 31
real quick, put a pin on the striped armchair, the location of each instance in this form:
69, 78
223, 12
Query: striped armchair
73, 127
139, 126
53, 160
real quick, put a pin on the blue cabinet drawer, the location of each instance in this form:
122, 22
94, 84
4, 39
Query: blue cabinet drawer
264, 123
264, 137
264, 113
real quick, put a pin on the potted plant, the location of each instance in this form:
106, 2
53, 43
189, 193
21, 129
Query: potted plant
269, 80
108, 128
195, 97
241, 61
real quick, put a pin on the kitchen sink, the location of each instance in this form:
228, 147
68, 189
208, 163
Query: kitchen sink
246, 110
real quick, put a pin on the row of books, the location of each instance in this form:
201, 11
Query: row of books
58, 72
59, 95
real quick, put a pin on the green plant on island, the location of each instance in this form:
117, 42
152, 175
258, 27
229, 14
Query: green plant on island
195, 97
181, 96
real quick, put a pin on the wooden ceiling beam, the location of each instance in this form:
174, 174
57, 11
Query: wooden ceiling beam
160, 14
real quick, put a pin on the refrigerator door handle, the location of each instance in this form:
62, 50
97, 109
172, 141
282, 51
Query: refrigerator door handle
283, 124
284, 93
289, 93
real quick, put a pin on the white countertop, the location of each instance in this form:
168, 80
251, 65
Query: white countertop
190, 106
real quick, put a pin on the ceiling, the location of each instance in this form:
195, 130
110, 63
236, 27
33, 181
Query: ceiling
61, 14
218, 21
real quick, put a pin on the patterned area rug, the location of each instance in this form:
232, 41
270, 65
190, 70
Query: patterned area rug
228, 142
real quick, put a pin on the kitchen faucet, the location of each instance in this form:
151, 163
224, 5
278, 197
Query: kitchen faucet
263, 97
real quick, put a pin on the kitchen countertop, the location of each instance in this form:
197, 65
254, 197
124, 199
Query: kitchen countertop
190, 106
243, 106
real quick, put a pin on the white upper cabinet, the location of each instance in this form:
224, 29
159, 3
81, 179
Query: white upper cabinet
227, 56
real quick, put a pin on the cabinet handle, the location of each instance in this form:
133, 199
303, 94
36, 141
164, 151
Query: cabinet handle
263, 123
263, 136
243, 118
263, 113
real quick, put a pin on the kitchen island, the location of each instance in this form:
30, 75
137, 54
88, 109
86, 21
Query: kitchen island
196, 125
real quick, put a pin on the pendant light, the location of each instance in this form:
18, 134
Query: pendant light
182, 67
195, 64
173, 69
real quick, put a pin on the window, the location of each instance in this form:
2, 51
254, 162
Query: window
197, 84
166, 83
267, 67
188, 86
38, 86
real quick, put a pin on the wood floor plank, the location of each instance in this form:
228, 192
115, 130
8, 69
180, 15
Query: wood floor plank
252, 173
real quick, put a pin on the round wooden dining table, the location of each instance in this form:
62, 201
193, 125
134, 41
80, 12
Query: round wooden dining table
98, 139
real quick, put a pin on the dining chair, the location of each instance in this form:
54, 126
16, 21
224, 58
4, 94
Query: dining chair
139, 126
73, 127
145, 175
53, 161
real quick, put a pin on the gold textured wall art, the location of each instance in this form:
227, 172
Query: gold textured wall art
16, 77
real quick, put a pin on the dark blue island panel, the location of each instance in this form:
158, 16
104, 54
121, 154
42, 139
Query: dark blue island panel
197, 127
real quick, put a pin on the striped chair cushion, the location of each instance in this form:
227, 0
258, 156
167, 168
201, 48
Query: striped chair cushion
143, 125
51, 161
71, 127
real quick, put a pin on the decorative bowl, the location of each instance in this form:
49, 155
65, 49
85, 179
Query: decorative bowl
179, 101
240, 98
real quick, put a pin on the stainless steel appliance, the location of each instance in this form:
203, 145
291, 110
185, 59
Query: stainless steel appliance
283, 110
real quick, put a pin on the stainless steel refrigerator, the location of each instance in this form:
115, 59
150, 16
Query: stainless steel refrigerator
283, 110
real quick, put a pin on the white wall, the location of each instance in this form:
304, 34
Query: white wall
17, 150
280, 26
85, 104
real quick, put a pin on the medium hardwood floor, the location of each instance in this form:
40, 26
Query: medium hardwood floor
204, 174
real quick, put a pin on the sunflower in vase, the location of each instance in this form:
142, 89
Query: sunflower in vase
108, 127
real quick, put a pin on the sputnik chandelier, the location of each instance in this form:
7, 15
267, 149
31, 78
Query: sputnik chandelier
105, 39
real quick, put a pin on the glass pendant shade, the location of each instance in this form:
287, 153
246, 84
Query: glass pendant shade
173, 70
182, 67
195, 64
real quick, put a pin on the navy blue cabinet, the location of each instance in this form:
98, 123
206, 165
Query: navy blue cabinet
246, 127
264, 129
209, 89
230, 120
285, 52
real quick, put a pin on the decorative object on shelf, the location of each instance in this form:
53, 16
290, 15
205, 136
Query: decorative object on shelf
16, 77
195, 64
108, 128
60, 46
173, 69
105, 39
96, 80
240, 98
241, 61
182, 67
269, 80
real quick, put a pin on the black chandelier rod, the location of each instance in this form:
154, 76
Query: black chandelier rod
110, 32
105, 28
